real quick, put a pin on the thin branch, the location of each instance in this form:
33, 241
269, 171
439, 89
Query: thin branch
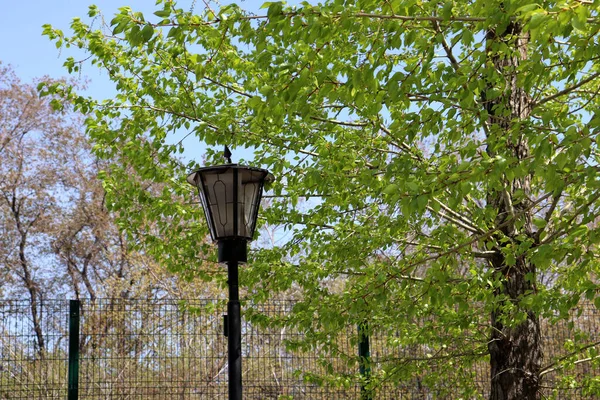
477, 254
403, 145
459, 216
487, 255
379, 16
411, 243
549, 213
411, 278
453, 220
547, 369
567, 90
583, 360
573, 217
447, 49
417, 18
224, 86
165, 111
344, 123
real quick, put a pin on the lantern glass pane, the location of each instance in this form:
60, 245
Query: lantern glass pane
250, 190
219, 197
250, 195
201, 193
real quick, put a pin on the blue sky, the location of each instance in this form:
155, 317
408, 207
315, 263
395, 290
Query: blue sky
33, 55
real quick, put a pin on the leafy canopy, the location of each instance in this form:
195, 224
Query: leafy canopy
375, 119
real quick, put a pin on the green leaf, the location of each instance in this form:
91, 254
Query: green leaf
174, 32
537, 20
390, 189
579, 19
540, 223
422, 201
447, 10
527, 8
147, 32
92, 11
274, 11
163, 13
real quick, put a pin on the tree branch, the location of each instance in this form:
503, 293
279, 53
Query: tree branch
570, 221
459, 216
447, 49
377, 16
548, 368
549, 213
453, 220
566, 90
474, 239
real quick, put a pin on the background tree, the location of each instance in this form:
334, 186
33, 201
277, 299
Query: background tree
447, 149
30, 189
57, 237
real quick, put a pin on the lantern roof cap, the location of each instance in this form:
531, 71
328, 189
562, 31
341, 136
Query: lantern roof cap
215, 168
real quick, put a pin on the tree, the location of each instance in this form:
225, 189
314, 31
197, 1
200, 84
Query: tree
57, 237
447, 151
30, 185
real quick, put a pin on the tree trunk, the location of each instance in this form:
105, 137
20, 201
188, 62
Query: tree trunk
28, 280
515, 348
515, 352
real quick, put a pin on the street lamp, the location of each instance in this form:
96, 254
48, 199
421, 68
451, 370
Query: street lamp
230, 196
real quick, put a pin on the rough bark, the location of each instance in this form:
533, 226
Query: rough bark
515, 349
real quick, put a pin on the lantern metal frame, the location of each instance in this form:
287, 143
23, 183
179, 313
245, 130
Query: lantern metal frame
230, 236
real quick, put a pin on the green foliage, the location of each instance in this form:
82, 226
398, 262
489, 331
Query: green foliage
390, 130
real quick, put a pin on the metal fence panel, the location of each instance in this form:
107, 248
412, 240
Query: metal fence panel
33, 350
175, 349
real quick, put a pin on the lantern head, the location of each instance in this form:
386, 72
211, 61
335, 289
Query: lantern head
230, 195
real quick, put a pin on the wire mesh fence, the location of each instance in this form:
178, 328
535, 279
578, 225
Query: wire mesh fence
175, 349
33, 349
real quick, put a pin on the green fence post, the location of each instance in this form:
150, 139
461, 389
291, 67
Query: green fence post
73, 391
364, 360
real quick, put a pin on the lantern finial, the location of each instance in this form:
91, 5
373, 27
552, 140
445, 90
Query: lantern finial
227, 154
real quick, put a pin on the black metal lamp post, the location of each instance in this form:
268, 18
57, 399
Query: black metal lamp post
230, 196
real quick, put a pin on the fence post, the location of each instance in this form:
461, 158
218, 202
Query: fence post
73, 388
364, 360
